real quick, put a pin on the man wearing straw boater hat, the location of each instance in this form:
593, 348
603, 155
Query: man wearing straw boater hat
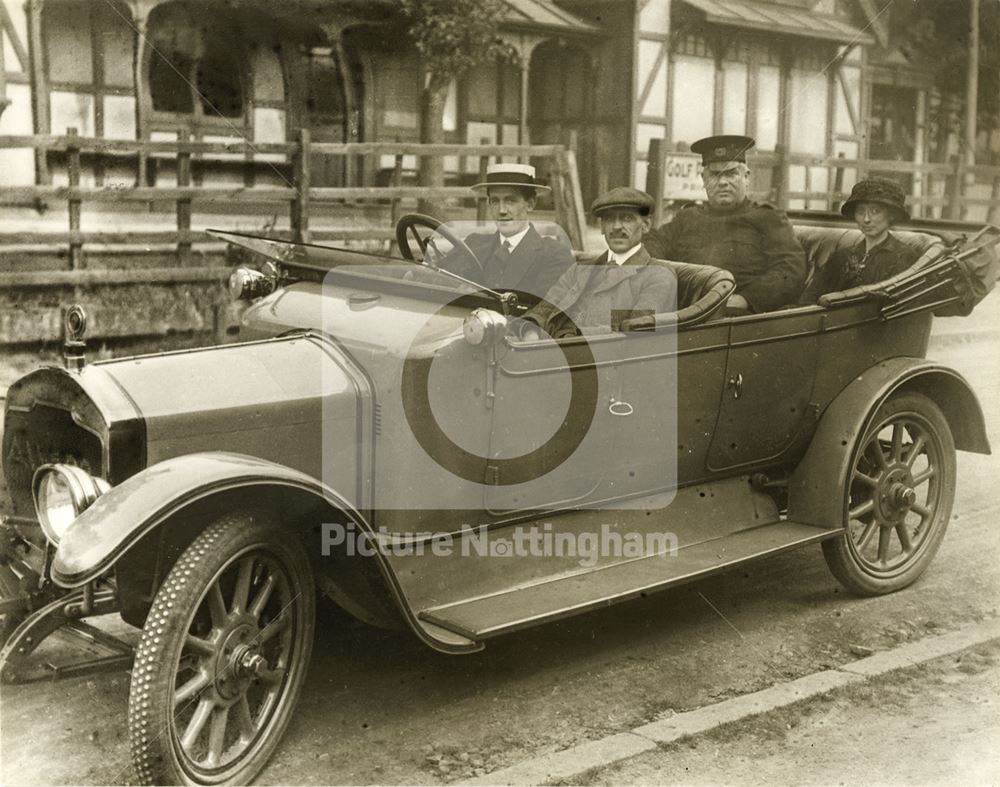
515, 257
754, 242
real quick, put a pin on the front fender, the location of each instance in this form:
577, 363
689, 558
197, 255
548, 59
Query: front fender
816, 488
122, 516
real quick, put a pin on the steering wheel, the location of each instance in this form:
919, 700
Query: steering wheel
406, 228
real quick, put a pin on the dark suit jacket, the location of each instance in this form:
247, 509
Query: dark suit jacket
753, 242
531, 270
595, 296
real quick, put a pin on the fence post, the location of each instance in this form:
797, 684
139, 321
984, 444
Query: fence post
955, 206
558, 186
249, 167
994, 214
75, 203
397, 181
301, 183
838, 184
142, 168
183, 203
569, 199
484, 162
654, 177
779, 178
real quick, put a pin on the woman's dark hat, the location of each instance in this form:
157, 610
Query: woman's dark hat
521, 175
881, 191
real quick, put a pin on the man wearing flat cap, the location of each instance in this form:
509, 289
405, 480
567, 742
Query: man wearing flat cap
752, 241
598, 295
515, 257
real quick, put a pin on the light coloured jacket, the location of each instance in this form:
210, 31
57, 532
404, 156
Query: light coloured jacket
596, 297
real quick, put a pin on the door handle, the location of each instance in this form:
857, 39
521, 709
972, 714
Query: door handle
620, 408
736, 383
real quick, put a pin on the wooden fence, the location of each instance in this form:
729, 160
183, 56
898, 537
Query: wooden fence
957, 178
292, 163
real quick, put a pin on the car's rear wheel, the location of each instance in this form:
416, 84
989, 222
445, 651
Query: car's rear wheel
223, 656
898, 498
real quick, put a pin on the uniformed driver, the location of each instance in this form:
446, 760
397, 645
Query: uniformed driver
753, 241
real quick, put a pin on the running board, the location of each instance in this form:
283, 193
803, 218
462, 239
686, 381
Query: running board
570, 594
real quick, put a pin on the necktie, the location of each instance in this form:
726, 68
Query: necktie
507, 248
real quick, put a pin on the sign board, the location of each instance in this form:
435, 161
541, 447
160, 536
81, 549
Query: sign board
682, 177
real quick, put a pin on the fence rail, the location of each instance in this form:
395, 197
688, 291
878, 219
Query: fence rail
956, 180
56, 143
298, 197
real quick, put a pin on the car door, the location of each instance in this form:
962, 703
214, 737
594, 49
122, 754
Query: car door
551, 438
670, 388
770, 371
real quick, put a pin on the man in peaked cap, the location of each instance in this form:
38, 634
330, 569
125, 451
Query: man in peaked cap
515, 257
599, 294
754, 242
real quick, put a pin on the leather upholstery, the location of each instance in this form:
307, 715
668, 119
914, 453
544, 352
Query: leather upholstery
821, 242
701, 291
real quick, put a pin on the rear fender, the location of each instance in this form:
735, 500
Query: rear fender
128, 524
816, 487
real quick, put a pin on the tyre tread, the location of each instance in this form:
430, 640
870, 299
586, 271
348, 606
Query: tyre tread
149, 736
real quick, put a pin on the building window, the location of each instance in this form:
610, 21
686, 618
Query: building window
88, 55
764, 54
168, 84
217, 76
694, 98
492, 103
694, 45
737, 51
193, 69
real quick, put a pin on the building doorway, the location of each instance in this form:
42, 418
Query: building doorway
893, 128
333, 97
560, 106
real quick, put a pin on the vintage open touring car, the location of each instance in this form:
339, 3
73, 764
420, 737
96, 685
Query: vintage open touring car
382, 416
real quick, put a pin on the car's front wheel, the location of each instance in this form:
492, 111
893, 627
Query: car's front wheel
898, 498
223, 656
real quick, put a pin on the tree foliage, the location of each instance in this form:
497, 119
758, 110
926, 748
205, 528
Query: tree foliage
937, 32
454, 36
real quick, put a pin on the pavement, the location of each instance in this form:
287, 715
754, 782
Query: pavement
573, 765
933, 724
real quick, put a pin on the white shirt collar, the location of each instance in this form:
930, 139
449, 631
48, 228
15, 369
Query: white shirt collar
619, 259
515, 239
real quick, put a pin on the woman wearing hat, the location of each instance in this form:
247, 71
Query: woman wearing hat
875, 204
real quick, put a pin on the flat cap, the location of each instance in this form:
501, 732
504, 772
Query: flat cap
623, 197
723, 147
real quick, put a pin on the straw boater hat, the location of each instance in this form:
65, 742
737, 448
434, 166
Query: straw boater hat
881, 191
521, 175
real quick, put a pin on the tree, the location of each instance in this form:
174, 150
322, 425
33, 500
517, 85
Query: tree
937, 32
452, 36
